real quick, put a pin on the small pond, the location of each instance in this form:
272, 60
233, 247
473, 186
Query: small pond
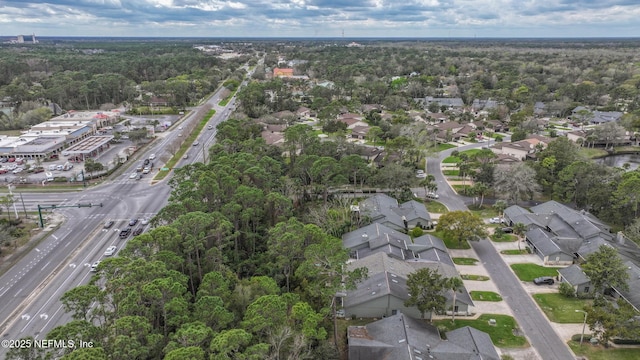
620, 159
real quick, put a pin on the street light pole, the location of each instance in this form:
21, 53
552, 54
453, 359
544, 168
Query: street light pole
13, 200
584, 324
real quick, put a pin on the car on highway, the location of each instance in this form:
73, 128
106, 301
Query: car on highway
543, 280
144, 221
139, 168
152, 156
133, 175
179, 127
146, 170
108, 224
210, 127
146, 162
137, 231
110, 251
195, 143
133, 222
186, 156
495, 220
94, 266
125, 232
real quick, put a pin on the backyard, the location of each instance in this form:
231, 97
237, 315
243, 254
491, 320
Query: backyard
501, 333
528, 271
561, 309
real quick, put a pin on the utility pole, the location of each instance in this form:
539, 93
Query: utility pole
14, 203
40, 208
23, 207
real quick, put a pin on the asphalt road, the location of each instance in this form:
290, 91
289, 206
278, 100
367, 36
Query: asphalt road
30, 291
533, 323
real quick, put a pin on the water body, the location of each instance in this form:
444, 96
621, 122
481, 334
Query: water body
620, 159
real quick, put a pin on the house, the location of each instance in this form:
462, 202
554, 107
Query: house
375, 238
577, 136
359, 132
557, 232
282, 72
384, 209
482, 107
384, 292
542, 244
402, 337
448, 103
303, 113
574, 276
430, 248
632, 295
521, 149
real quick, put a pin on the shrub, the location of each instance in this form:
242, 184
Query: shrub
416, 232
576, 337
566, 290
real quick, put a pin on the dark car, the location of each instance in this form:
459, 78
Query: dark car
507, 230
108, 224
146, 162
133, 222
137, 231
544, 280
125, 232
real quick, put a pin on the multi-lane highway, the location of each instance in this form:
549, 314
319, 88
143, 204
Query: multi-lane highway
30, 291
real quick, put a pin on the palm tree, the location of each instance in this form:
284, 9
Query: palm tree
500, 205
454, 284
481, 189
519, 229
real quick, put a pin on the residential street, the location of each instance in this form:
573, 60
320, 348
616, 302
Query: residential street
533, 323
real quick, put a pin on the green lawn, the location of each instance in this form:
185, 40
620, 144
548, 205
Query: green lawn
561, 309
442, 147
435, 207
501, 334
486, 211
600, 353
464, 261
474, 277
503, 237
528, 272
485, 296
451, 160
451, 172
450, 243
514, 252
592, 153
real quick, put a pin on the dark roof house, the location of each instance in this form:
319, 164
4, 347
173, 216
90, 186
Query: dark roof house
401, 337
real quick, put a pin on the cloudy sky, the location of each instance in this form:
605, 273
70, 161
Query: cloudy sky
322, 18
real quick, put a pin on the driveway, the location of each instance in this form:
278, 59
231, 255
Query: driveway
533, 323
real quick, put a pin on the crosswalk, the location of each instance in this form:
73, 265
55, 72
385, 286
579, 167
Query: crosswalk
107, 217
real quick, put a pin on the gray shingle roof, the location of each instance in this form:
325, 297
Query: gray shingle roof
574, 275
375, 238
400, 337
542, 240
413, 210
632, 295
379, 206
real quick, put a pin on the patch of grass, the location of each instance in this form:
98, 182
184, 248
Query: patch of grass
561, 309
514, 252
502, 333
451, 172
503, 237
592, 352
485, 296
474, 277
442, 147
592, 153
484, 211
435, 207
460, 189
450, 243
464, 261
451, 160
528, 271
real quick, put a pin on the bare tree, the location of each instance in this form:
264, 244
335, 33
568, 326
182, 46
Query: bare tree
515, 182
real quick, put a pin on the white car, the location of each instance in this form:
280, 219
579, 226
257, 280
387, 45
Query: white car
179, 127
94, 266
421, 174
144, 221
495, 220
133, 176
152, 156
110, 251
433, 195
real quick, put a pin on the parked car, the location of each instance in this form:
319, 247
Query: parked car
421, 174
507, 230
38, 170
432, 195
110, 251
137, 231
108, 224
133, 222
210, 127
543, 280
186, 156
495, 220
125, 232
